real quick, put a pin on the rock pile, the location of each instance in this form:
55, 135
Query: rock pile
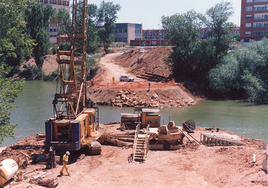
152, 99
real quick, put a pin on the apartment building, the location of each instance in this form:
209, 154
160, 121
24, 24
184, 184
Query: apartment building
53, 27
124, 32
254, 20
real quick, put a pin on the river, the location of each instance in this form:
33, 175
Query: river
245, 119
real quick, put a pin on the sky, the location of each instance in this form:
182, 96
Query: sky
149, 12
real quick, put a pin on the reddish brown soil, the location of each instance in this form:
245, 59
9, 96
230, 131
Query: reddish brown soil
146, 60
190, 166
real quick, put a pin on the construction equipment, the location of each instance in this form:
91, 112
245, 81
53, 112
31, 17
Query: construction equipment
166, 137
75, 122
142, 116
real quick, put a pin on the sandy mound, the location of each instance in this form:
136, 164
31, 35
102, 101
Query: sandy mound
146, 60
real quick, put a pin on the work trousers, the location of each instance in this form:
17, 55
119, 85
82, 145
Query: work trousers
65, 167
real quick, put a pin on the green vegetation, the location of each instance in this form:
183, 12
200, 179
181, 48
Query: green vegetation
30, 72
37, 18
9, 90
191, 58
15, 46
240, 73
107, 15
92, 67
15, 43
63, 19
243, 73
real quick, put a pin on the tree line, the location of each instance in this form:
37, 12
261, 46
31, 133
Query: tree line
210, 62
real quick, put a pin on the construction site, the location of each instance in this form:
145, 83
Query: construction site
138, 151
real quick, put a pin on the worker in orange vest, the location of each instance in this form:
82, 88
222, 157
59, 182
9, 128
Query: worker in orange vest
64, 162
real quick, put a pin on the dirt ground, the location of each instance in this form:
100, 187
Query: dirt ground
190, 166
133, 63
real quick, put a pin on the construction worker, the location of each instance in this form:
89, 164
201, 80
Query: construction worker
92, 82
64, 162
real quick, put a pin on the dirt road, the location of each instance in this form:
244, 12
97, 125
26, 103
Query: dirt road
112, 69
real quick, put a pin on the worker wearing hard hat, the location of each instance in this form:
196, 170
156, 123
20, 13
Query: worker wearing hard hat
64, 162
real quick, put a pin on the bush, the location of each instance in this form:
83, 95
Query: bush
91, 66
65, 46
51, 76
54, 50
30, 73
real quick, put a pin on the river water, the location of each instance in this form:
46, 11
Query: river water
245, 119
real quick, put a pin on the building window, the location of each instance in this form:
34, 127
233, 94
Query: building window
247, 33
248, 17
248, 25
120, 31
260, 16
260, 33
258, 1
260, 7
260, 24
124, 30
55, 30
249, 1
248, 8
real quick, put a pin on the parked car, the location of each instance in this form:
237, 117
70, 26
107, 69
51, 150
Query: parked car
125, 78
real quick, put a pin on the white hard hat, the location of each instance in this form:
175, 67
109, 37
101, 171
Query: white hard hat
67, 152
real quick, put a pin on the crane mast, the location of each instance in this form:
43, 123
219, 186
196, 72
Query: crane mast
72, 67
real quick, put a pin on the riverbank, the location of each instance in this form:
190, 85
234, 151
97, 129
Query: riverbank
190, 166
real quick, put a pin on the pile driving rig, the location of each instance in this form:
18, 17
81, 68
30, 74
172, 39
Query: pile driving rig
75, 122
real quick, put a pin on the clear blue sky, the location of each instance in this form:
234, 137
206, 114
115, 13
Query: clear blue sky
149, 12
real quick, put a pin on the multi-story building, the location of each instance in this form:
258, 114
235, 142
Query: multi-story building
53, 27
254, 20
153, 34
124, 32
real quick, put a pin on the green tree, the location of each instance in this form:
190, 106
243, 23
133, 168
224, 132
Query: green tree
242, 73
182, 33
15, 43
220, 30
192, 58
107, 15
37, 22
63, 19
9, 89
92, 31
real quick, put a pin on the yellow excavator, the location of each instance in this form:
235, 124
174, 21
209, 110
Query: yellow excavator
75, 122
